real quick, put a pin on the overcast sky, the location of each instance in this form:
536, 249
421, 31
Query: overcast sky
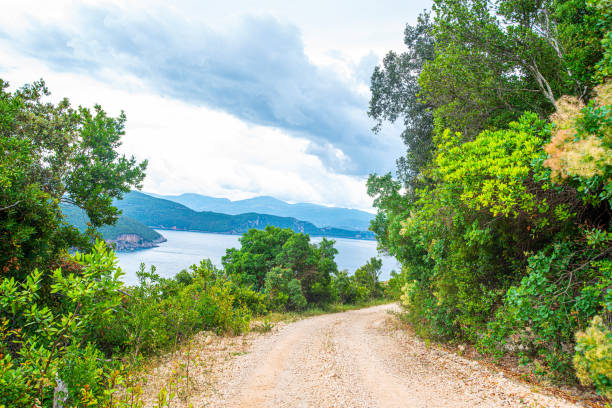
225, 98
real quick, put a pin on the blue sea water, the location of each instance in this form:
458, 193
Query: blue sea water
184, 249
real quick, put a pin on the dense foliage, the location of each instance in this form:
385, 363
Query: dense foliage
51, 153
295, 273
504, 230
95, 328
92, 330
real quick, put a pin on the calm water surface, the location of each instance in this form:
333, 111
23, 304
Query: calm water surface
187, 248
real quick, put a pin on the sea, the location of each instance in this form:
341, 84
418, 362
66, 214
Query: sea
185, 248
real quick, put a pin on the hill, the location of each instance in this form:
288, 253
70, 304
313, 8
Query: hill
165, 214
319, 215
126, 234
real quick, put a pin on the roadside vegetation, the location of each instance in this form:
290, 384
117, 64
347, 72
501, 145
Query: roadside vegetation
500, 210
499, 214
71, 333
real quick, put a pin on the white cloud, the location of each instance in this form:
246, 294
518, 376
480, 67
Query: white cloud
196, 149
199, 149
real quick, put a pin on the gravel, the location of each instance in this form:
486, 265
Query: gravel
353, 359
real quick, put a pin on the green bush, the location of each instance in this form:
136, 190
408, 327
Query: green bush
296, 299
539, 316
343, 287
283, 290
501, 211
394, 288
361, 287
366, 276
593, 358
39, 343
162, 312
264, 250
509, 245
81, 368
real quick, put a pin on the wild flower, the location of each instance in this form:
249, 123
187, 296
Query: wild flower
572, 151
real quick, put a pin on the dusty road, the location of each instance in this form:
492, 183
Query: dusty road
354, 359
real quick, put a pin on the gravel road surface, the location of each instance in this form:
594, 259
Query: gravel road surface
351, 359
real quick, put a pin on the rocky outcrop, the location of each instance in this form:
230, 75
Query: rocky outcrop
131, 242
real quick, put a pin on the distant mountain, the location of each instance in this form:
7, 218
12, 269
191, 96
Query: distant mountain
319, 215
127, 234
165, 214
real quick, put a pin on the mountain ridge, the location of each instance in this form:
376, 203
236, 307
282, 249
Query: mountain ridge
127, 234
166, 214
319, 215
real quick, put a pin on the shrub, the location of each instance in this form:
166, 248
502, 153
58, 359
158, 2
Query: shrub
275, 287
394, 288
296, 300
501, 251
367, 276
539, 316
40, 343
283, 290
81, 368
593, 358
343, 287
264, 250
504, 234
580, 152
163, 312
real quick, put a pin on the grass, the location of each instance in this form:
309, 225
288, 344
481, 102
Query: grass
288, 317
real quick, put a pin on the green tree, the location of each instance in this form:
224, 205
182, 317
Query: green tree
495, 60
504, 236
263, 250
257, 255
343, 287
53, 153
283, 290
396, 95
367, 275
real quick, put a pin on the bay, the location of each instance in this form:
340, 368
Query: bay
185, 248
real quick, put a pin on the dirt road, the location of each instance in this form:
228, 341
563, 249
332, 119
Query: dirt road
350, 360
354, 359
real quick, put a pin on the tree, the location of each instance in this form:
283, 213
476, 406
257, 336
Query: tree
505, 241
276, 249
283, 290
343, 287
53, 153
367, 275
257, 255
496, 59
396, 94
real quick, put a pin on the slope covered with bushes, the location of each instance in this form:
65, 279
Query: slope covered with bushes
501, 219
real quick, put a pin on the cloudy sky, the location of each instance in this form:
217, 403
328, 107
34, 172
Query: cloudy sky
225, 98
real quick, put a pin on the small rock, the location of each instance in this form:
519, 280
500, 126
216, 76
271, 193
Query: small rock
208, 340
